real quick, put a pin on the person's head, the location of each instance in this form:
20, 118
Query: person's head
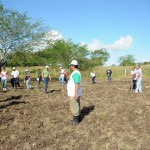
73, 65
133, 68
47, 67
108, 68
13, 68
26, 71
3, 68
60, 67
137, 66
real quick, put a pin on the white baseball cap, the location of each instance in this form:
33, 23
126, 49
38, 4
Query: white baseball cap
47, 66
13, 68
60, 67
26, 70
74, 62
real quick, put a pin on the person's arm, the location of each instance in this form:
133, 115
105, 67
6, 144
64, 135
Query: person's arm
76, 91
43, 74
76, 78
49, 76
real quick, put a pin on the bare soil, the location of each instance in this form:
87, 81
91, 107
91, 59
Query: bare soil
112, 118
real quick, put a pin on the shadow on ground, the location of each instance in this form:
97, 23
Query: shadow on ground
86, 111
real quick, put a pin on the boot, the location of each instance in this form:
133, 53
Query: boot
75, 120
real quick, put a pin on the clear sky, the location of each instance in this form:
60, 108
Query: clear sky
120, 26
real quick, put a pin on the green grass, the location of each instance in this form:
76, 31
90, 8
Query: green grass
117, 72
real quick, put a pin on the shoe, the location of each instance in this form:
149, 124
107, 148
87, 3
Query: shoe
75, 120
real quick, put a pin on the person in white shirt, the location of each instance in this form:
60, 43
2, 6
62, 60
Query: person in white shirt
139, 79
133, 78
4, 77
61, 77
93, 76
74, 91
15, 77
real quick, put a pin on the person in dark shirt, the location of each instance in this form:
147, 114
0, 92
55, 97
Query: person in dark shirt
108, 73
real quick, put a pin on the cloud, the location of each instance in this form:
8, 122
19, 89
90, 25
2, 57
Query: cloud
123, 43
53, 35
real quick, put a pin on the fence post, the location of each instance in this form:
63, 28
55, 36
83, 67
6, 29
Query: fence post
125, 72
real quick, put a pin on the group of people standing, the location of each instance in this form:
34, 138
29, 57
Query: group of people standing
136, 79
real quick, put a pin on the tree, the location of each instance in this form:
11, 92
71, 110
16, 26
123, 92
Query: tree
99, 57
127, 60
62, 52
17, 32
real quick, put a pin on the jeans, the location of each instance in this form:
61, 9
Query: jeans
16, 82
45, 84
27, 84
109, 77
61, 79
4, 83
139, 85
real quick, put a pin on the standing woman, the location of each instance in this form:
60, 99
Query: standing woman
4, 77
27, 79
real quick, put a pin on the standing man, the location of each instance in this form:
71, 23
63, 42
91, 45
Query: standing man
15, 77
139, 79
133, 79
108, 73
93, 76
46, 77
61, 77
74, 91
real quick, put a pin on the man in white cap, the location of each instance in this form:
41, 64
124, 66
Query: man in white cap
108, 73
74, 91
46, 77
15, 77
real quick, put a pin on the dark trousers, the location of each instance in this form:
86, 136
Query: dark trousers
65, 79
133, 84
93, 80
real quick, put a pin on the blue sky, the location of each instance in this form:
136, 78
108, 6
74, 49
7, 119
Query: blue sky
121, 26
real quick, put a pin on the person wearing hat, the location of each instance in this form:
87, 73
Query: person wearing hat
108, 73
27, 79
46, 77
15, 78
74, 91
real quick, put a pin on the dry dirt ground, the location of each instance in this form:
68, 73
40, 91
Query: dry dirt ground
112, 118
